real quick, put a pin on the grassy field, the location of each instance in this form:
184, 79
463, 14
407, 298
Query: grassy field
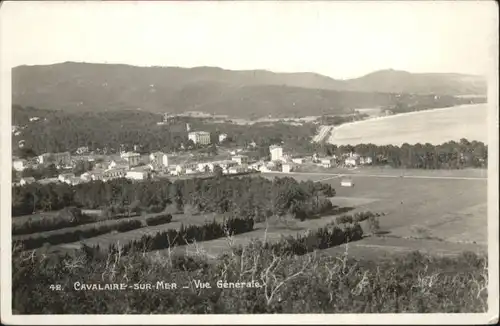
431, 126
420, 208
450, 212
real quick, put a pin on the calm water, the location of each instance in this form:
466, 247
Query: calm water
433, 126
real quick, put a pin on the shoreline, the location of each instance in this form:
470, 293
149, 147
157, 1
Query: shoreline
385, 118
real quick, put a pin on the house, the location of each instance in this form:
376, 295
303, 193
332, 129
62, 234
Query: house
61, 159
352, 161
132, 158
327, 162
82, 150
222, 137
74, 181
203, 167
26, 181
276, 152
47, 181
159, 159
64, 177
347, 182
240, 159
137, 175
298, 160
34, 119
365, 160
87, 176
200, 137
19, 165
286, 168
114, 174
237, 169
97, 174
119, 164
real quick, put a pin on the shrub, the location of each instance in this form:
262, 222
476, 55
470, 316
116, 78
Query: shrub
373, 224
159, 219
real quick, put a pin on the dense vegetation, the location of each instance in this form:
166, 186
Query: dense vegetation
67, 217
279, 283
159, 219
75, 234
450, 155
254, 197
184, 236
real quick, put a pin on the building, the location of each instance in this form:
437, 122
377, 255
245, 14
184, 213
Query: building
114, 174
298, 160
352, 160
132, 158
64, 177
237, 169
327, 162
19, 165
200, 137
206, 166
158, 159
61, 159
222, 137
240, 159
119, 164
286, 168
47, 181
74, 181
365, 160
346, 182
87, 176
276, 152
137, 175
26, 181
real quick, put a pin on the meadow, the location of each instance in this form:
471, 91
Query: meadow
430, 126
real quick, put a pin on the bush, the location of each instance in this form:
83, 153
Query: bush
159, 219
374, 225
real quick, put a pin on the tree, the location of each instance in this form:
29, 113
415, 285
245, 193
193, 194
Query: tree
218, 172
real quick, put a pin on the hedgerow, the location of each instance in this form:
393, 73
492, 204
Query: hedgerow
159, 219
73, 235
68, 217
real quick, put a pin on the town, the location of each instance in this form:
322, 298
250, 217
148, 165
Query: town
137, 165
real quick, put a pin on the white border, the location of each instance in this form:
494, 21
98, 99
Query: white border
376, 319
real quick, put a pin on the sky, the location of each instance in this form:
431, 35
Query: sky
338, 39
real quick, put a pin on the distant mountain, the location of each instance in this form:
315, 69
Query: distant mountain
74, 86
395, 81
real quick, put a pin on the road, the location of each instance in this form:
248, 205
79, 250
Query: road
323, 133
361, 174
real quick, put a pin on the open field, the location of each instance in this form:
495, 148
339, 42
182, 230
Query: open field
444, 208
430, 126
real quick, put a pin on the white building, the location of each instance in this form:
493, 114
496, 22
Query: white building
159, 159
276, 152
346, 182
202, 167
240, 159
64, 177
237, 169
352, 161
200, 137
132, 158
62, 159
327, 162
27, 180
222, 137
365, 160
136, 175
19, 165
286, 168
299, 160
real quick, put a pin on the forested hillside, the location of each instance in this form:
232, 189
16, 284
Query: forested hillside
76, 87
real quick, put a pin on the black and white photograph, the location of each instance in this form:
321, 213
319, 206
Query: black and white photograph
249, 162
